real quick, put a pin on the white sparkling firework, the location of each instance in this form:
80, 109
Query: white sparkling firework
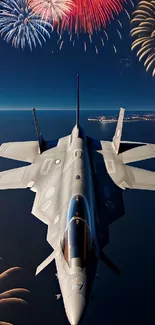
51, 9
20, 26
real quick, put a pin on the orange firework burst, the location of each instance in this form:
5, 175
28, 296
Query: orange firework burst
11, 296
143, 31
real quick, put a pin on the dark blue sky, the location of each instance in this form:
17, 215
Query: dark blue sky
44, 79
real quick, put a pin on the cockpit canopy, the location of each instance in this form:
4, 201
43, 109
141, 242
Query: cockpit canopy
77, 239
78, 207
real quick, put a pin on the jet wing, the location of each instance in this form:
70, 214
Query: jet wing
43, 177
28, 151
122, 175
16, 178
138, 178
111, 175
23, 151
128, 177
137, 152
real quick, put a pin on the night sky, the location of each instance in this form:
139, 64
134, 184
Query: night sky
46, 77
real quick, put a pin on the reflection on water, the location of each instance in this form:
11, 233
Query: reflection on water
127, 300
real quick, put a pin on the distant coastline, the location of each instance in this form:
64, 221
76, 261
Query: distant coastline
128, 118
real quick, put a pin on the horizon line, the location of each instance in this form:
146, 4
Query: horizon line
84, 109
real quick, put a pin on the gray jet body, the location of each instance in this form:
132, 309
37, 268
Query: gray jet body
78, 184
69, 209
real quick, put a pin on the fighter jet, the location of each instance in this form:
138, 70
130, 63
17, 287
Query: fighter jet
78, 183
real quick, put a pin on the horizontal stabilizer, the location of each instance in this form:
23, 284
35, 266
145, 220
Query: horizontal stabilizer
45, 263
139, 179
117, 137
141, 152
16, 178
105, 259
127, 145
23, 151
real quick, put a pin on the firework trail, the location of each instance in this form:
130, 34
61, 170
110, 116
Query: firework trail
51, 9
12, 296
90, 18
20, 26
143, 31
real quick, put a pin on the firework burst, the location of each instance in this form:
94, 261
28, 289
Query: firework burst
89, 16
89, 19
11, 296
20, 26
51, 9
143, 31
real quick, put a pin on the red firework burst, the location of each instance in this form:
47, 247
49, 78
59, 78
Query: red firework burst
90, 15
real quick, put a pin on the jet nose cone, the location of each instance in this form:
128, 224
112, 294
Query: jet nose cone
75, 307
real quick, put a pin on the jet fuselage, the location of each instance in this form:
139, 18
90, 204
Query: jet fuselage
77, 257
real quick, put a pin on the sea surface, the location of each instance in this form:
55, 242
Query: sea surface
125, 300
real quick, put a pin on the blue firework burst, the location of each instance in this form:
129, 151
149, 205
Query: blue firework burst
20, 26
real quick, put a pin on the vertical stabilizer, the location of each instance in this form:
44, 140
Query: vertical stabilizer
117, 137
39, 135
78, 102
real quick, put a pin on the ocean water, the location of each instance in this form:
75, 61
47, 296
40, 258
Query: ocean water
128, 299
